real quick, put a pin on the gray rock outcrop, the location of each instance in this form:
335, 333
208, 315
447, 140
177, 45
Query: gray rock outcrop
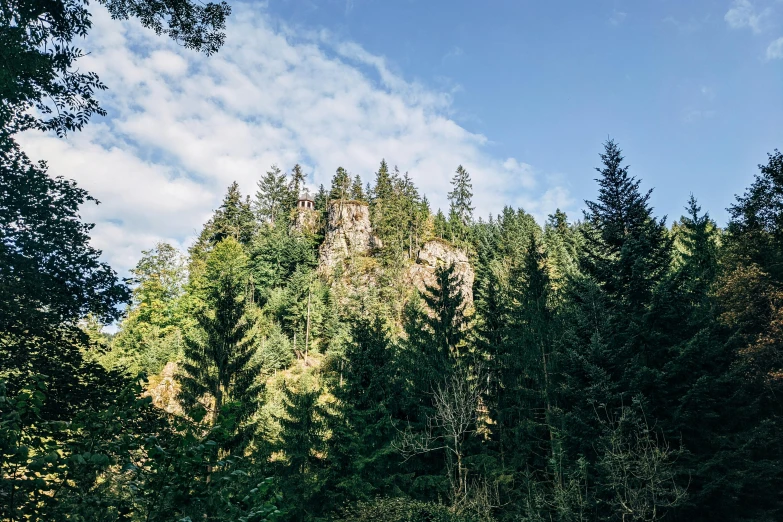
437, 253
348, 233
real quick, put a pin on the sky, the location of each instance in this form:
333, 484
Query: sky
522, 93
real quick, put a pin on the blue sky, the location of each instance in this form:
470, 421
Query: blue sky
684, 86
522, 93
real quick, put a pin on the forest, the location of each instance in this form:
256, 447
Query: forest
360, 356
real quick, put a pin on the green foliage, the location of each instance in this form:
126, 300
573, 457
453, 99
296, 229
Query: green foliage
401, 510
357, 191
341, 185
460, 209
275, 254
273, 197
50, 276
608, 370
302, 444
367, 390
234, 219
41, 72
152, 332
218, 353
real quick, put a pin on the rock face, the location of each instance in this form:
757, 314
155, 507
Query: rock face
163, 389
348, 233
437, 253
305, 221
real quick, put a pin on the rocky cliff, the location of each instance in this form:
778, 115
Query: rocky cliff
305, 221
435, 253
348, 233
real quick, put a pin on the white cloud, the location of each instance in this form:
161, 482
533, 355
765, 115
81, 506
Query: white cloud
182, 127
617, 17
775, 49
743, 14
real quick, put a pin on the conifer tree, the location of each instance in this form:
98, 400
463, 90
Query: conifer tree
357, 192
385, 212
383, 189
302, 442
629, 252
442, 228
341, 185
562, 242
218, 354
234, 219
321, 199
524, 364
272, 195
460, 200
368, 402
296, 186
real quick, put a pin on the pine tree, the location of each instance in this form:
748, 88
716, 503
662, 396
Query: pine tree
383, 189
524, 364
385, 211
296, 186
367, 392
234, 219
442, 226
218, 353
341, 185
357, 192
321, 199
629, 252
272, 195
302, 442
562, 242
460, 209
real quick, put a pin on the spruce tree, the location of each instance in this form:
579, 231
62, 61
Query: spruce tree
630, 251
460, 200
302, 473
272, 195
218, 354
296, 186
341, 185
442, 226
368, 403
321, 199
233, 219
357, 192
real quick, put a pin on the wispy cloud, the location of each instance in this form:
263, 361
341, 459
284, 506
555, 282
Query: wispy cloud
452, 54
182, 127
775, 50
617, 17
694, 115
743, 14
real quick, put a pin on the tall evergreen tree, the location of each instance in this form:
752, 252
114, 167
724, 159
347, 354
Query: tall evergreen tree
442, 228
321, 199
361, 457
357, 191
383, 189
303, 444
296, 185
272, 195
233, 219
218, 355
460, 204
341, 185
630, 251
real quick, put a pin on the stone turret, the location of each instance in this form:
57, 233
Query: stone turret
305, 216
348, 233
